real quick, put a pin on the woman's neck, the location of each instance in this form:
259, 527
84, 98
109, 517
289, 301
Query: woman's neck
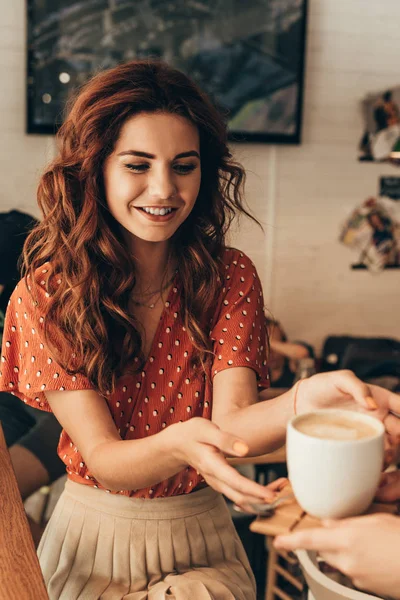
153, 265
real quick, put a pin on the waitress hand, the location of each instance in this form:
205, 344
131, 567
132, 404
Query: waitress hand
389, 487
363, 548
201, 444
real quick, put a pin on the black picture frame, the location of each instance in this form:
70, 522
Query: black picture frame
248, 55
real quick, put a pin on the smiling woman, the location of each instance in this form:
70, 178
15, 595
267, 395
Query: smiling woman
144, 333
151, 191
128, 292
138, 138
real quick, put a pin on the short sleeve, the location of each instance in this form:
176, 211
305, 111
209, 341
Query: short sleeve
27, 368
239, 333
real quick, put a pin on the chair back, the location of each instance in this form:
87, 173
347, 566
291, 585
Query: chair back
20, 576
321, 586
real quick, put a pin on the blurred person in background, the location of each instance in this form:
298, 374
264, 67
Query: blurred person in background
31, 435
284, 356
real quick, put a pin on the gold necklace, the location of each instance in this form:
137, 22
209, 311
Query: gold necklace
152, 294
152, 305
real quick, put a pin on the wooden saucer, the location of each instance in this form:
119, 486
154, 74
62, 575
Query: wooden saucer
289, 516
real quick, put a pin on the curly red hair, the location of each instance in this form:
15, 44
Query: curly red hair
89, 308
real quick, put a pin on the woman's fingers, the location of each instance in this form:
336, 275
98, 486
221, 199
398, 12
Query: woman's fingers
348, 383
390, 449
389, 478
217, 469
248, 491
209, 459
278, 484
392, 425
242, 500
387, 398
389, 488
210, 433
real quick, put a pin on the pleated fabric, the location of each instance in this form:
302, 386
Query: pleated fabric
109, 547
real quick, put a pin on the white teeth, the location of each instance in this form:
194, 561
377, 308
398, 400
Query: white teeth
157, 211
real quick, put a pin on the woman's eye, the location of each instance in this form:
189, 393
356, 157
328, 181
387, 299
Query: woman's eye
184, 169
138, 168
181, 169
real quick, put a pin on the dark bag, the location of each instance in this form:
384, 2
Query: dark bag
368, 358
14, 228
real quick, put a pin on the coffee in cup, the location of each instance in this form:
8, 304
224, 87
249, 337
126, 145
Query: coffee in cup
335, 459
334, 427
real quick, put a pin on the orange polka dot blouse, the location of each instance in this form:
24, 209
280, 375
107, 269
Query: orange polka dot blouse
167, 390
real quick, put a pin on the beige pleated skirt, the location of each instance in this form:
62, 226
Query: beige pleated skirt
100, 545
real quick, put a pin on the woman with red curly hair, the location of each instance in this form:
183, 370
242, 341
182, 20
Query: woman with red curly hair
144, 334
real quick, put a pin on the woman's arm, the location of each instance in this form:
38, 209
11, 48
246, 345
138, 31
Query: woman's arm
116, 464
262, 425
135, 464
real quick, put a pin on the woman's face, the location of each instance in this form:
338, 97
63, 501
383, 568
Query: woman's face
152, 178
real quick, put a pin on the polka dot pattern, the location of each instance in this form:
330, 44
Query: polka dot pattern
167, 390
239, 331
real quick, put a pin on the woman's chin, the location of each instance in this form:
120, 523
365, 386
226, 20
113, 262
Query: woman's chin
154, 237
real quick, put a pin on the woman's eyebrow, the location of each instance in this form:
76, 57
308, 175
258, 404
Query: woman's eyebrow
187, 154
148, 155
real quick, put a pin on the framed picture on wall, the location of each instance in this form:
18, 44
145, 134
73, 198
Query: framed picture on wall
248, 55
380, 141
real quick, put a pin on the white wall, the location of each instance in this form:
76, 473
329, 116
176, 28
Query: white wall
301, 194
353, 48
21, 156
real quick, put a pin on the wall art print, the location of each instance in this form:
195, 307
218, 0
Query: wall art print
247, 54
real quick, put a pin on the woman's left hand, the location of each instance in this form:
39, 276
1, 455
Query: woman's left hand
366, 549
275, 486
342, 389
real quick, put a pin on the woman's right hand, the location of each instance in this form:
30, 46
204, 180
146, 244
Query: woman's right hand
202, 445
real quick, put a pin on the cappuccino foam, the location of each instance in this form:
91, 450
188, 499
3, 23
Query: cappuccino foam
334, 427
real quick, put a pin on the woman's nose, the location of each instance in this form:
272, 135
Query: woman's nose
162, 185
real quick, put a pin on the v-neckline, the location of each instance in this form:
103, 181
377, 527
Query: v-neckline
166, 306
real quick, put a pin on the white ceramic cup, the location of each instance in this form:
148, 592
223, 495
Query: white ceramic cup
332, 479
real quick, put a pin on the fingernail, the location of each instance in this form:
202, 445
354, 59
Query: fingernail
240, 448
372, 405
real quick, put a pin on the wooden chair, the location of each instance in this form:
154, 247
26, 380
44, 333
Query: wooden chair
279, 564
282, 566
321, 587
20, 574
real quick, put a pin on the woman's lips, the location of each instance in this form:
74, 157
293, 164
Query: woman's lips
157, 218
